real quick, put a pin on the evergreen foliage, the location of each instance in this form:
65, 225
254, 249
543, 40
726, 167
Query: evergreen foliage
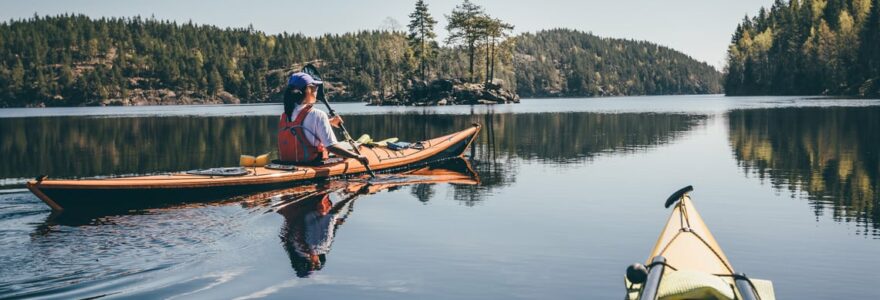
421, 37
807, 47
465, 30
563, 62
471, 28
72, 60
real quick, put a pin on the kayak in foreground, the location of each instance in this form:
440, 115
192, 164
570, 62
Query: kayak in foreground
85, 194
687, 263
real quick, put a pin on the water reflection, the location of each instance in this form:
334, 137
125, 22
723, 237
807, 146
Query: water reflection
311, 218
831, 154
82, 147
78, 147
309, 228
494, 173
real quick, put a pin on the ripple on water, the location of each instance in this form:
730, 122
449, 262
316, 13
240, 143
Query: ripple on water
90, 255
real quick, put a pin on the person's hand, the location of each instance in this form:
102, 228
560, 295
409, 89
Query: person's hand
336, 121
363, 160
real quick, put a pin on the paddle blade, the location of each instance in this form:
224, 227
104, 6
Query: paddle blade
262, 160
677, 195
313, 71
247, 161
364, 139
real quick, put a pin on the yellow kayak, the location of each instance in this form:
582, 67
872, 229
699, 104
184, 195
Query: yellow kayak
688, 263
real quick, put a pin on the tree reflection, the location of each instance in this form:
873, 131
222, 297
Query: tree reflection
423, 192
79, 147
82, 147
559, 138
829, 153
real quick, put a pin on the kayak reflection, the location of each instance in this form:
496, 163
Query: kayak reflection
311, 218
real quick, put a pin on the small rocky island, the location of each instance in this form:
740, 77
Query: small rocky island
414, 93
447, 92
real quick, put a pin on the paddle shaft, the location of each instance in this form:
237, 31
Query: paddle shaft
313, 71
347, 136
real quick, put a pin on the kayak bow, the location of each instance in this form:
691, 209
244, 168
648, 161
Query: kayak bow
688, 263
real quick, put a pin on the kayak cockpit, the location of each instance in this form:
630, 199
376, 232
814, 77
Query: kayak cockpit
684, 284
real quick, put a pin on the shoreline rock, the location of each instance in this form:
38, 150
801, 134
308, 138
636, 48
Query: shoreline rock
413, 93
447, 92
140, 97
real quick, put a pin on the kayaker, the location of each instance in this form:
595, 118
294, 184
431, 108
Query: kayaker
305, 135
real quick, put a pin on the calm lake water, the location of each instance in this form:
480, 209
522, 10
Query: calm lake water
570, 192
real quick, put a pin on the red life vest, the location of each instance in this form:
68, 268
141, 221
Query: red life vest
293, 145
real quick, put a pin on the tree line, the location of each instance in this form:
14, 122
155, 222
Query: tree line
563, 62
72, 60
75, 60
807, 47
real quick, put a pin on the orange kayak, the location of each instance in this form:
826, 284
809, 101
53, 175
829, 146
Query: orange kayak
87, 194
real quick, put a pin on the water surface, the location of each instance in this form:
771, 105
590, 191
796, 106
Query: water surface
570, 193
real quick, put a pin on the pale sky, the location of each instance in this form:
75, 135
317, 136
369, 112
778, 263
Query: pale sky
699, 28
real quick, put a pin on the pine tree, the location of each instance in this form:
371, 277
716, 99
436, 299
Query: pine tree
464, 29
16, 82
215, 82
869, 51
421, 37
495, 32
40, 84
816, 46
5, 92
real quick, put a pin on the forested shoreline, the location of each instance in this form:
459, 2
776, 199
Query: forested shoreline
807, 47
570, 63
74, 60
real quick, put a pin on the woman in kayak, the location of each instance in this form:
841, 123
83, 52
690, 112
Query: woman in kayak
305, 135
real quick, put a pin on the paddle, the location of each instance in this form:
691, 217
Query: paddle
313, 71
677, 196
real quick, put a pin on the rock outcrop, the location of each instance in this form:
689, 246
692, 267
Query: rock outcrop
448, 92
169, 97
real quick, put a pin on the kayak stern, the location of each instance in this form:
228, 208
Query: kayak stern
33, 186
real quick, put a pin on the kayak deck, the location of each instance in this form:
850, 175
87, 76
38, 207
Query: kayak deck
65, 194
690, 263
687, 243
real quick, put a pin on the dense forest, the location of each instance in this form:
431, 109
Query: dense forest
565, 62
75, 60
72, 60
807, 47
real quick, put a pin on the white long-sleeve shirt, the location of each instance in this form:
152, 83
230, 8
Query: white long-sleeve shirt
317, 126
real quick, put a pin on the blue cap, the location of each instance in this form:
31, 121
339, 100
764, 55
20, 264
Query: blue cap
300, 80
